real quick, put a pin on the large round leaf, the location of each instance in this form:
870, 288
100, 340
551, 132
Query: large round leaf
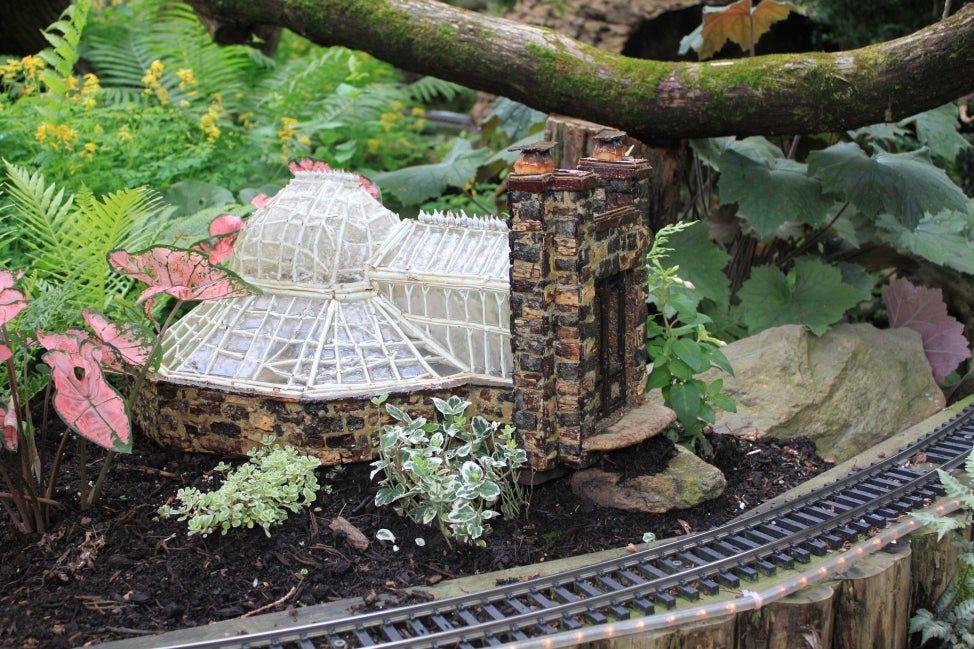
905, 185
770, 191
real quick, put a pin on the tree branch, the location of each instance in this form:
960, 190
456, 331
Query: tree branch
779, 94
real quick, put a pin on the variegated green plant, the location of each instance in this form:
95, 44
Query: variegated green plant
450, 474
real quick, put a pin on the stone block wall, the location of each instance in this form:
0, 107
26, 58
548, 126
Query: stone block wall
341, 431
572, 232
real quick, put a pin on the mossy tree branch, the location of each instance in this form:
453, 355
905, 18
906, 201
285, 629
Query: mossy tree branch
780, 94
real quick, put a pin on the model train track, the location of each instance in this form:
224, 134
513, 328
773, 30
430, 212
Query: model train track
786, 535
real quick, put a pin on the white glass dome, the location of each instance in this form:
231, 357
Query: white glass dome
355, 301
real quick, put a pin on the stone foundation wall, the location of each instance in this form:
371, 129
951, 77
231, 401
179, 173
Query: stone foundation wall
342, 431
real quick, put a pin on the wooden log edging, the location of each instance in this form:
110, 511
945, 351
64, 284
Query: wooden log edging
862, 597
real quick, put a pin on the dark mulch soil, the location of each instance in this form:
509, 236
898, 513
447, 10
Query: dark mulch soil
116, 571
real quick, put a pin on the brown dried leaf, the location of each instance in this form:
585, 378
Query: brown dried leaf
353, 535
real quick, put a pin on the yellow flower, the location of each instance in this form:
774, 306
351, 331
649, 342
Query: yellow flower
186, 78
124, 135
32, 66
209, 120
288, 130
373, 145
56, 135
152, 83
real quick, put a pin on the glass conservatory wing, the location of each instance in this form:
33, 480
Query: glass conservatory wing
352, 344
471, 323
320, 230
445, 248
448, 275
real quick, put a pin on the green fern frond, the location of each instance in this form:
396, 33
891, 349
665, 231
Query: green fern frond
969, 464
40, 214
120, 219
64, 36
429, 89
172, 33
964, 613
306, 89
956, 489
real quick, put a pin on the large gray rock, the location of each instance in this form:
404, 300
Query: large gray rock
847, 390
687, 481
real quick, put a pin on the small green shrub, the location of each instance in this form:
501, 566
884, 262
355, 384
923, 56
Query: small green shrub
275, 481
680, 348
449, 474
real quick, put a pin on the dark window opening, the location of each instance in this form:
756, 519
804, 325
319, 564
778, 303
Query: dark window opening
611, 311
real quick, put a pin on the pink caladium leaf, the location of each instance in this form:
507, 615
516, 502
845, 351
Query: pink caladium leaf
183, 274
923, 310
308, 164
223, 234
69, 340
12, 301
316, 166
9, 426
5, 353
130, 342
85, 400
260, 200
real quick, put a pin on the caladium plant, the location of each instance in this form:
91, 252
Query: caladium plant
80, 361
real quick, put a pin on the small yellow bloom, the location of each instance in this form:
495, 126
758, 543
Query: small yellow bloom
209, 120
288, 129
124, 135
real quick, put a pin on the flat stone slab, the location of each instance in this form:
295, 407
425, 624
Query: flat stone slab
637, 425
686, 482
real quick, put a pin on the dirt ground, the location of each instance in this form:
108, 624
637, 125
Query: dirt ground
116, 571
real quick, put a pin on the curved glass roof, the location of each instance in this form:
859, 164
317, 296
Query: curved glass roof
356, 302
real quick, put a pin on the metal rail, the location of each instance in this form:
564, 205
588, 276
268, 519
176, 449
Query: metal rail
857, 506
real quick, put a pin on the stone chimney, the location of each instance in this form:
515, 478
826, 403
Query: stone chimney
578, 301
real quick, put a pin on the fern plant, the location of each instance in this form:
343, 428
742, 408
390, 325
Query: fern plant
952, 619
63, 239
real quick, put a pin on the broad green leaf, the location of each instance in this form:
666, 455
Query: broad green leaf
689, 352
717, 358
770, 193
937, 130
857, 277
812, 294
658, 378
906, 185
734, 23
516, 120
684, 399
709, 149
882, 131
700, 262
941, 238
413, 185
191, 196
